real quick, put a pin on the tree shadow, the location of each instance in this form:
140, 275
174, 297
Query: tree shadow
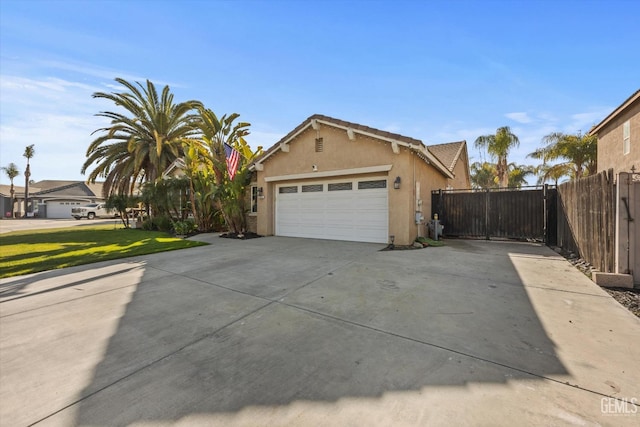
364, 324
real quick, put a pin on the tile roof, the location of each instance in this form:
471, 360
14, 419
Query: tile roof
448, 153
48, 184
358, 128
343, 123
56, 187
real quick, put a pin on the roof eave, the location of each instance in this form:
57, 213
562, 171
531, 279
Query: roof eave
594, 130
418, 147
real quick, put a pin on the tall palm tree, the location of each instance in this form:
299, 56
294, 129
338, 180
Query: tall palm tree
12, 171
29, 152
579, 151
142, 142
498, 146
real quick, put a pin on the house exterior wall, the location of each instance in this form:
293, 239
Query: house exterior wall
339, 153
427, 179
610, 154
251, 218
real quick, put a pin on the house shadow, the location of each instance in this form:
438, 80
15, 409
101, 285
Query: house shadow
203, 341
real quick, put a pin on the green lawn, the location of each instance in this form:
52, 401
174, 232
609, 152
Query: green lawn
24, 252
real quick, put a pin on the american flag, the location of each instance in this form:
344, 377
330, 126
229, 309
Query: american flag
233, 158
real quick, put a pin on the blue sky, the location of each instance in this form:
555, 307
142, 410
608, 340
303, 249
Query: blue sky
439, 71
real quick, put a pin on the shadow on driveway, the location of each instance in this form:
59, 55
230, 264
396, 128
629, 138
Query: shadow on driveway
275, 321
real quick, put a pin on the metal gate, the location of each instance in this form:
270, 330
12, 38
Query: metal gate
495, 213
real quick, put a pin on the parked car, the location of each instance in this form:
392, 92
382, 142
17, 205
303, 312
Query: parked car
93, 210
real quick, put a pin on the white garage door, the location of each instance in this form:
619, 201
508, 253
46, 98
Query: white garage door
354, 210
60, 208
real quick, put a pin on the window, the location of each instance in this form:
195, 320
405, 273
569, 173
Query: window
340, 186
311, 188
288, 190
626, 137
366, 185
254, 198
319, 145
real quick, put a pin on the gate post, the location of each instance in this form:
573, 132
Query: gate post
487, 212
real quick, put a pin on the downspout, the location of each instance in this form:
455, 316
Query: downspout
415, 201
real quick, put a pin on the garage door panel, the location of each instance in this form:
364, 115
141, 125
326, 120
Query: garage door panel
60, 209
353, 214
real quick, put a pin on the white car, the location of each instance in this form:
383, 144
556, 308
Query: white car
93, 210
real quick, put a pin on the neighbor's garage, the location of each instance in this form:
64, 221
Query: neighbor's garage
344, 209
60, 208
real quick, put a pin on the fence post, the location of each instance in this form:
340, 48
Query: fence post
487, 212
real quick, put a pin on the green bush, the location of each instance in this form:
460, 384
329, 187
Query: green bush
158, 223
162, 223
184, 227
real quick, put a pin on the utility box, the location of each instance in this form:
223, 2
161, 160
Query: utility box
435, 229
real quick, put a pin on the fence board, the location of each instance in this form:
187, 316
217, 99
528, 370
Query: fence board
586, 212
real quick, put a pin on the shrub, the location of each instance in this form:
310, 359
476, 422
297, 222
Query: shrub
184, 227
162, 223
158, 223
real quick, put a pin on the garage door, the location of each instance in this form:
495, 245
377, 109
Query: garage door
354, 210
60, 208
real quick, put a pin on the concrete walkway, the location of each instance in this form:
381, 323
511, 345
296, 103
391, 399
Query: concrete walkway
278, 331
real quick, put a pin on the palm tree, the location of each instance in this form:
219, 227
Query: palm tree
142, 142
29, 152
579, 151
498, 146
518, 174
12, 171
547, 172
483, 175
216, 132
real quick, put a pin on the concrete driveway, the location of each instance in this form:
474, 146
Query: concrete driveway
24, 224
280, 331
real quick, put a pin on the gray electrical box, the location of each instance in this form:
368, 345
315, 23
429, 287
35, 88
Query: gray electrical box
435, 229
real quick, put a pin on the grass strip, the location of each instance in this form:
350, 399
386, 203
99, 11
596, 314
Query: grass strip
25, 252
430, 242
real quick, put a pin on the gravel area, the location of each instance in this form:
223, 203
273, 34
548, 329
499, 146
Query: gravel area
630, 298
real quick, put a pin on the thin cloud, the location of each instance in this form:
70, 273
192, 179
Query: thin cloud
519, 117
56, 115
582, 122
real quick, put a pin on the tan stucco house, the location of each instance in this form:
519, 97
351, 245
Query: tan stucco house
619, 137
332, 179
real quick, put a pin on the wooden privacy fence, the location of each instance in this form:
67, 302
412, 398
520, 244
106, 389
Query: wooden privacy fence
586, 219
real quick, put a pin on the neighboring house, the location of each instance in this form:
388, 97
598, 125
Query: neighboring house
332, 179
58, 197
619, 149
5, 200
619, 137
53, 199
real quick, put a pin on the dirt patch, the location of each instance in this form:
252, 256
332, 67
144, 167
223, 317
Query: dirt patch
240, 236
